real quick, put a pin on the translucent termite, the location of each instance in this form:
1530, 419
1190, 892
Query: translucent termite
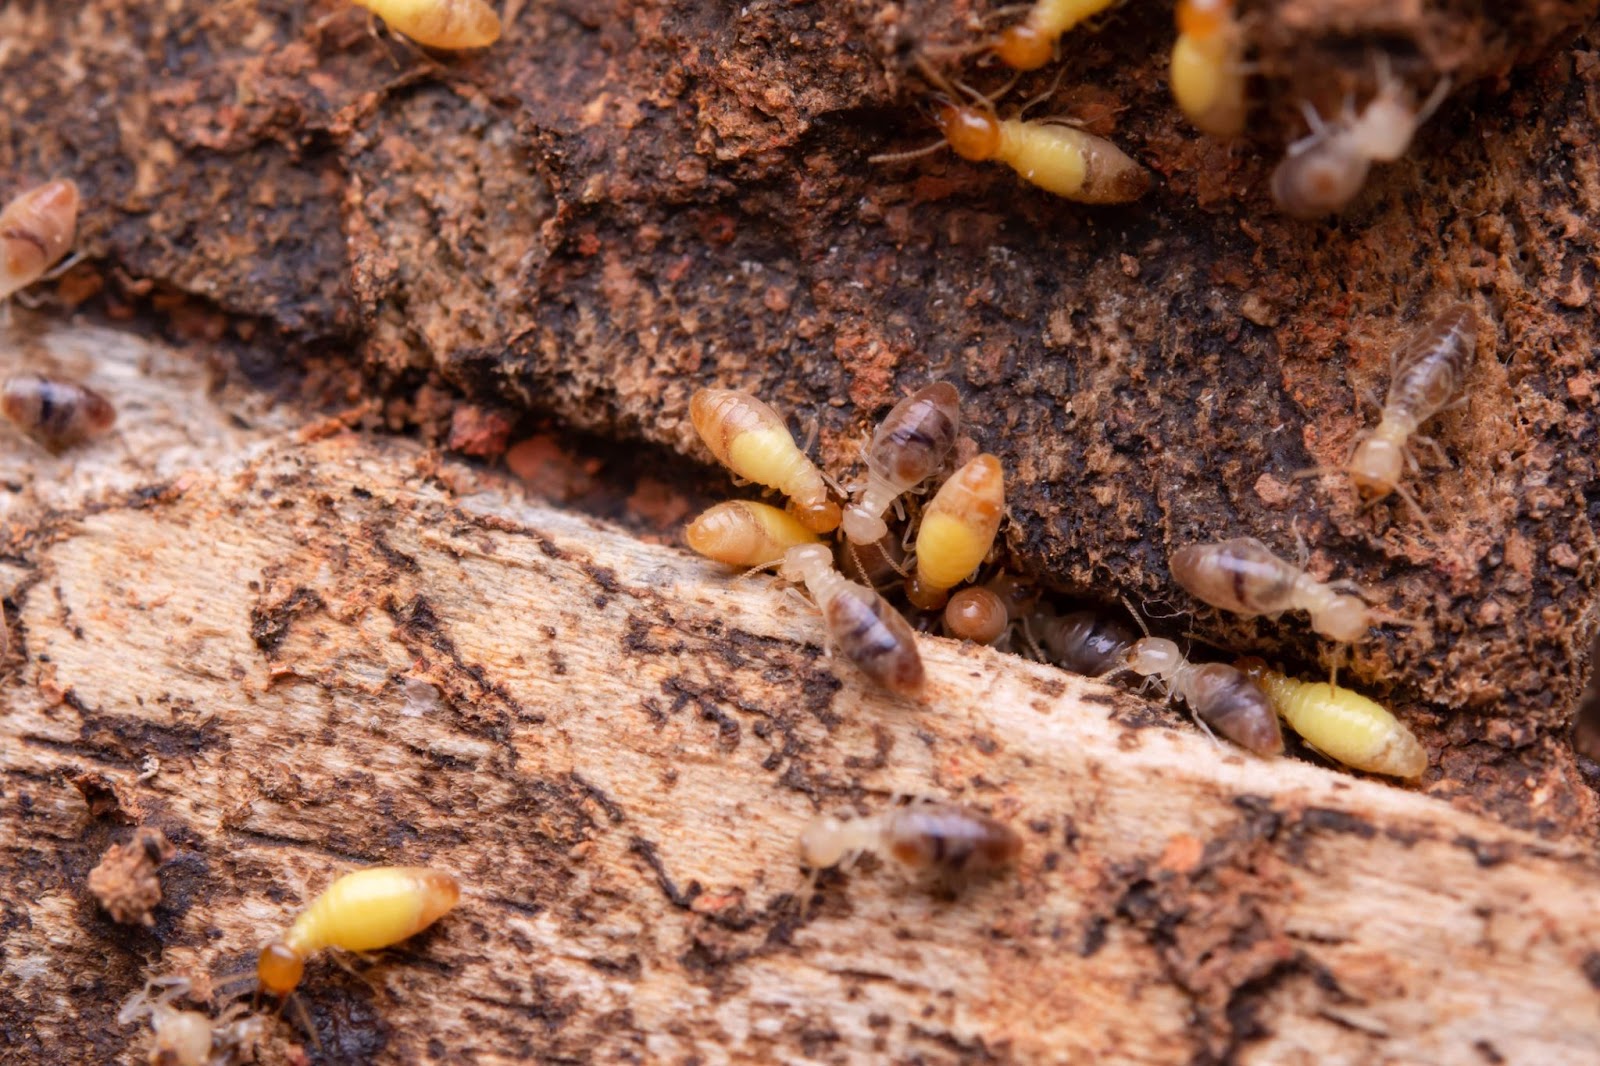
750, 439
1245, 577
908, 447
361, 911
746, 534
957, 530
1085, 642
37, 228
1343, 725
56, 414
1049, 153
860, 623
1221, 696
1324, 170
443, 24
1427, 374
180, 1037
984, 613
1031, 43
976, 614
1208, 72
941, 839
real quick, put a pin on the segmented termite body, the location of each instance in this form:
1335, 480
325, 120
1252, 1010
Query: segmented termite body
1208, 74
1085, 642
1245, 577
750, 439
908, 447
746, 534
941, 839
444, 24
1031, 43
361, 911
36, 229
984, 613
1071, 163
1221, 696
976, 614
1326, 169
56, 414
1429, 372
865, 628
957, 530
1344, 725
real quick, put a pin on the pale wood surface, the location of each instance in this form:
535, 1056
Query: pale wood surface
624, 745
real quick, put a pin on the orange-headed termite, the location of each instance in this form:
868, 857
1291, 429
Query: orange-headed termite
750, 438
909, 446
867, 631
1244, 576
1208, 73
1049, 153
36, 229
746, 534
443, 24
361, 911
1031, 43
1344, 725
957, 530
56, 414
941, 839
1221, 696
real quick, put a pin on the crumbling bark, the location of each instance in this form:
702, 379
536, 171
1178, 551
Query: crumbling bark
304, 653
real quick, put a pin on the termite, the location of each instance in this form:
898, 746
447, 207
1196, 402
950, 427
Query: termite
56, 414
1221, 696
1208, 72
1244, 576
750, 439
869, 632
908, 447
957, 530
941, 839
1343, 725
976, 614
1324, 170
444, 24
182, 1037
984, 613
1031, 43
36, 229
1085, 642
1427, 374
1049, 153
361, 911
746, 534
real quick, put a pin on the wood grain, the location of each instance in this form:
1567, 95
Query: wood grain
342, 650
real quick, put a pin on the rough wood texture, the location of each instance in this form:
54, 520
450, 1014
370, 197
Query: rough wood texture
621, 202
324, 651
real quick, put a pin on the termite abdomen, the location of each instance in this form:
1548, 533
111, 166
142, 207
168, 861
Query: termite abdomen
1227, 700
56, 414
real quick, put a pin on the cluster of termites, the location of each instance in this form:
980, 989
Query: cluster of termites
951, 541
1209, 77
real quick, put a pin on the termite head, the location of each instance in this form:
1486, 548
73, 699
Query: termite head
1376, 466
1021, 47
972, 132
861, 526
819, 517
823, 843
1321, 179
1154, 657
1343, 618
805, 559
1203, 18
279, 968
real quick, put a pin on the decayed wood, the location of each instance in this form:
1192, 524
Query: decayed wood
343, 651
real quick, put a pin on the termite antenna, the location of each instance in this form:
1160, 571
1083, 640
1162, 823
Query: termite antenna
902, 157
